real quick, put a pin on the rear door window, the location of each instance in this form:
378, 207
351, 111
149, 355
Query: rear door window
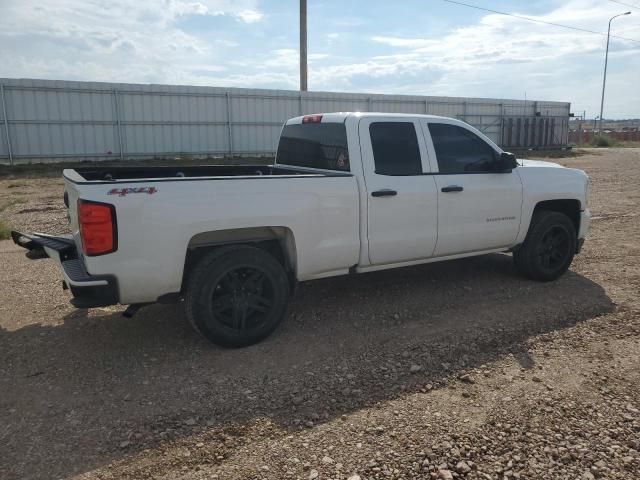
314, 145
395, 148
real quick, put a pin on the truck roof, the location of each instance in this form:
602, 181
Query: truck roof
342, 116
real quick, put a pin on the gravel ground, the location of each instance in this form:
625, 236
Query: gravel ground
453, 370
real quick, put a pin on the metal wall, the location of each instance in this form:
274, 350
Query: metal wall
50, 120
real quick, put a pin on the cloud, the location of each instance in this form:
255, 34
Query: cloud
116, 41
250, 16
402, 42
503, 57
154, 41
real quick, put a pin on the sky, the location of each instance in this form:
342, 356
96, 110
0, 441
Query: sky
428, 47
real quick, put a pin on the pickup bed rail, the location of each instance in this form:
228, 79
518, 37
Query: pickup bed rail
199, 172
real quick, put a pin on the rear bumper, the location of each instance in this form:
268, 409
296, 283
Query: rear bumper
88, 290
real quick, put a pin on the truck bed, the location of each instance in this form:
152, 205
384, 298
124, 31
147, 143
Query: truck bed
162, 212
177, 172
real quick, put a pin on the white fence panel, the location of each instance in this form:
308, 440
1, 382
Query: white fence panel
50, 120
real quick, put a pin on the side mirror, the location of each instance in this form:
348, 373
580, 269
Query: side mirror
506, 162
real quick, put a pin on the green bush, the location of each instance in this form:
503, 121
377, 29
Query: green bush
5, 231
603, 141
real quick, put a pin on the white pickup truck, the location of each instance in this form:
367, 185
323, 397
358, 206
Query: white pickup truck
348, 193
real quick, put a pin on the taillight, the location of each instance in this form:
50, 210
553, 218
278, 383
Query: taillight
97, 222
312, 119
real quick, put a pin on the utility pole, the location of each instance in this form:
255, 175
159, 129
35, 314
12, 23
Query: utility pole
606, 58
579, 129
303, 45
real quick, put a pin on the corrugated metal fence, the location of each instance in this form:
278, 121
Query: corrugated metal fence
50, 120
587, 136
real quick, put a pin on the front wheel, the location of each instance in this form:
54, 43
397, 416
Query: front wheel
237, 296
549, 247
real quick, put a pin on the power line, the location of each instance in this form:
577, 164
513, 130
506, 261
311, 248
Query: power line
626, 4
539, 21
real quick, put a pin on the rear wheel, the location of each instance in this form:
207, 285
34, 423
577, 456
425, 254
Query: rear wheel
237, 296
549, 247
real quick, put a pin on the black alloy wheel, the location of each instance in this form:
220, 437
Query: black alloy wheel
554, 248
237, 295
549, 247
242, 299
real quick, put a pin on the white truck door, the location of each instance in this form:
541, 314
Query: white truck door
402, 201
478, 208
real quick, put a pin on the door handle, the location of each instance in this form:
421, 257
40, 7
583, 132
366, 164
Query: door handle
452, 188
384, 193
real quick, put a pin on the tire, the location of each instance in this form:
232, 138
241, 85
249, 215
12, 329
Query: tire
236, 296
549, 247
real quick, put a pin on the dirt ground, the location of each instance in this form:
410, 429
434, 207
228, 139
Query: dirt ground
459, 369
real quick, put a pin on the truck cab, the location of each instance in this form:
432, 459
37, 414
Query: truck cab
430, 186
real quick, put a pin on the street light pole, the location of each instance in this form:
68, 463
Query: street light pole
606, 58
303, 45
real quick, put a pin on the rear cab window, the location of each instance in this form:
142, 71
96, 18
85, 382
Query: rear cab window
314, 145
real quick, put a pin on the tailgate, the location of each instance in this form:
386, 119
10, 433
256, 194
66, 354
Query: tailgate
71, 196
88, 290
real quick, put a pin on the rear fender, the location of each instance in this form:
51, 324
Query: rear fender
279, 241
